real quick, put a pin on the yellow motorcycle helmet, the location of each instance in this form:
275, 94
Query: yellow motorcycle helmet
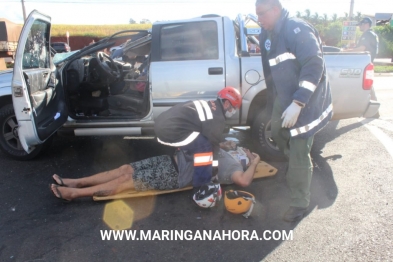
239, 202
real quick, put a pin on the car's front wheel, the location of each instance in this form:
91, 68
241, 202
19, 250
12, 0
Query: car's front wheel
9, 139
262, 136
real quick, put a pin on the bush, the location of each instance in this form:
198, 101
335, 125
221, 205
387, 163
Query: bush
385, 34
332, 34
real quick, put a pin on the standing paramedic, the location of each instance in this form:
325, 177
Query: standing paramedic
197, 127
298, 92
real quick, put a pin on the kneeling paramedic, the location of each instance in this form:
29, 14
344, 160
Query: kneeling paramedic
197, 127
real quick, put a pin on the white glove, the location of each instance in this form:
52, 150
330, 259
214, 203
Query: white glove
290, 115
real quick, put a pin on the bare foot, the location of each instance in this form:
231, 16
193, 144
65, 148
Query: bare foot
61, 192
64, 181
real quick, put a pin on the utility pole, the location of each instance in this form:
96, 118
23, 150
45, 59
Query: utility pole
351, 10
24, 10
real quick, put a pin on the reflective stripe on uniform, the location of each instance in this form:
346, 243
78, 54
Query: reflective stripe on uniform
203, 159
281, 58
307, 85
208, 111
203, 108
306, 128
186, 141
199, 109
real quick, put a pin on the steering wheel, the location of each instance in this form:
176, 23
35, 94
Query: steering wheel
107, 66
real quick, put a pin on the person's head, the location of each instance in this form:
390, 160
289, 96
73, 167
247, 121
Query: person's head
268, 12
231, 100
365, 24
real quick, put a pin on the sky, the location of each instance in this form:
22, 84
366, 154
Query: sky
98, 12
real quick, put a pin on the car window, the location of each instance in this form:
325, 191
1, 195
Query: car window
189, 41
36, 53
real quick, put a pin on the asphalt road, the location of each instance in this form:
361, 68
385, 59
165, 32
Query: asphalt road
350, 217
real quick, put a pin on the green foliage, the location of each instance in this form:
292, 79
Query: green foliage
385, 34
330, 31
383, 69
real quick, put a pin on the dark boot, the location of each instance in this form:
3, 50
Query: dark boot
294, 214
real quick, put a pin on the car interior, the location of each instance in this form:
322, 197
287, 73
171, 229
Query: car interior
100, 86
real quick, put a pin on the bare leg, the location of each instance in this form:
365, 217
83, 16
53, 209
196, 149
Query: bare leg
122, 183
96, 179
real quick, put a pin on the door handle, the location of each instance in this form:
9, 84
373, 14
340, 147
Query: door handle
216, 71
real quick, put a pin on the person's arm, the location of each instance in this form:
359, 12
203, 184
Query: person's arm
245, 178
305, 45
364, 43
213, 128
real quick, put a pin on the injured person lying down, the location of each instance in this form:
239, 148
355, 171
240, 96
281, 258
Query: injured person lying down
158, 173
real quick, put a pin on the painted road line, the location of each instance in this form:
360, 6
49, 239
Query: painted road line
386, 141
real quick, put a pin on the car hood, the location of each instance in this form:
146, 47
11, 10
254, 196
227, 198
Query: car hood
6, 78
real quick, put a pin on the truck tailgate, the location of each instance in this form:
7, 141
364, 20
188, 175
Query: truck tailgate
345, 73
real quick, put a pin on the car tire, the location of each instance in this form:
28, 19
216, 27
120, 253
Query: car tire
263, 142
9, 140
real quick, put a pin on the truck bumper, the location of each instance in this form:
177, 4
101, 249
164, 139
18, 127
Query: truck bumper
372, 109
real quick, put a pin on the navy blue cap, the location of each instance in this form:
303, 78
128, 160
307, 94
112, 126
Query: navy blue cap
366, 20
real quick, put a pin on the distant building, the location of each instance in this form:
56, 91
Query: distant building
381, 18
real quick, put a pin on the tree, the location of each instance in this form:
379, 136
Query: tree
132, 21
345, 17
145, 21
334, 17
298, 14
358, 16
333, 33
325, 19
307, 16
315, 17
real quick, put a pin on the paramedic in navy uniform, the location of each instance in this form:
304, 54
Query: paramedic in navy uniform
298, 94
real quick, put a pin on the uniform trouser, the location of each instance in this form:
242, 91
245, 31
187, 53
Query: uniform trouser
202, 150
298, 151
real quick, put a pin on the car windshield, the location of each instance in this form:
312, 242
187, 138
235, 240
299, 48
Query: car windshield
60, 57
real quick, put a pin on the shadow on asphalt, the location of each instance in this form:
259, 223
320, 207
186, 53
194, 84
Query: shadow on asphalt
35, 225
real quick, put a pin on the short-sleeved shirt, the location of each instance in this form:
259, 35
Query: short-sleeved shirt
370, 40
162, 173
227, 165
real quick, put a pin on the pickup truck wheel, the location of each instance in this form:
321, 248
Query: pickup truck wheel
261, 134
9, 140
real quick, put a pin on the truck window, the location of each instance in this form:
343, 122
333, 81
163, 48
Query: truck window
36, 53
189, 41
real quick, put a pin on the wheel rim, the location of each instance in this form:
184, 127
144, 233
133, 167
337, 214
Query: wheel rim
268, 137
10, 133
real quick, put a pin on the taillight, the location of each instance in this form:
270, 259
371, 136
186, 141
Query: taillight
368, 77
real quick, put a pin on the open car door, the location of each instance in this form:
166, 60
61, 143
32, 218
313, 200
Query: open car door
37, 93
